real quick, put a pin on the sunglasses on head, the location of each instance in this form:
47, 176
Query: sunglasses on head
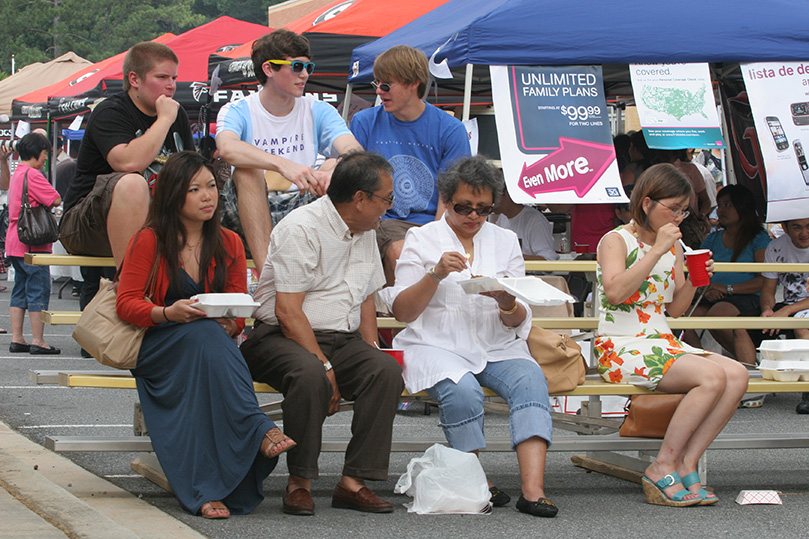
297, 65
384, 86
464, 209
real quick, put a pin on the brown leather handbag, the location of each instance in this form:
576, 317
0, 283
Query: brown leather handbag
649, 416
560, 358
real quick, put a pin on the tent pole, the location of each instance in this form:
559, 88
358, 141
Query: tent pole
467, 91
347, 103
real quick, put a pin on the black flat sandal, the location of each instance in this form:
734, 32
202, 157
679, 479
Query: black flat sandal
543, 507
499, 498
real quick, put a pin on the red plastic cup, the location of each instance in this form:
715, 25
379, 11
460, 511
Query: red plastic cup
398, 355
695, 260
581, 247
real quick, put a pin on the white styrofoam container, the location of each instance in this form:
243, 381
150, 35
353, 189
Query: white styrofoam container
790, 349
225, 305
480, 284
784, 365
532, 290
781, 376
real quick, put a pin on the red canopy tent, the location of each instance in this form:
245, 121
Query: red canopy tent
33, 106
77, 95
334, 31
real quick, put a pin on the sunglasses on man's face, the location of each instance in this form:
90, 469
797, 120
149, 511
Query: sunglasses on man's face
297, 65
464, 209
384, 86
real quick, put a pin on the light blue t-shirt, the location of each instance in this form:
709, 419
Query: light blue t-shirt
418, 151
723, 254
310, 128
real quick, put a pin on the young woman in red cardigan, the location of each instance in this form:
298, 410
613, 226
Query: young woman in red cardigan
212, 440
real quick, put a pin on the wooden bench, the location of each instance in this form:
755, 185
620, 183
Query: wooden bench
47, 259
600, 450
583, 323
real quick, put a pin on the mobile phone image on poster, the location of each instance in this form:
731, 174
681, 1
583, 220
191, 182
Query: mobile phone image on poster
779, 100
554, 134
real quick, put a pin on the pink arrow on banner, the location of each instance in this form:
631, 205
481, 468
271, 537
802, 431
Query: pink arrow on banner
577, 165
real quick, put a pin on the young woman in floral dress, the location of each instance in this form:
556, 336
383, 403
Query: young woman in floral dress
640, 280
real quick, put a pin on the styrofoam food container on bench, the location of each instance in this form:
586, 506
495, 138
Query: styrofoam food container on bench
783, 370
790, 349
532, 290
225, 305
783, 376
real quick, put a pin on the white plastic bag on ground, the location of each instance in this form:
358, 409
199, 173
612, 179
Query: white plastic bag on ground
445, 480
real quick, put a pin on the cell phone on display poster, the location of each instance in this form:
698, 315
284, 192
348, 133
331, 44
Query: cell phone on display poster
800, 113
801, 155
777, 132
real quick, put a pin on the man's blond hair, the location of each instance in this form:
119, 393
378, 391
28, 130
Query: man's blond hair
403, 64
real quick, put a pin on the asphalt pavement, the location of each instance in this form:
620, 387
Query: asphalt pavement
98, 495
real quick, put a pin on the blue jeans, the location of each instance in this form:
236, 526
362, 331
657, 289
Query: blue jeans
519, 381
32, 286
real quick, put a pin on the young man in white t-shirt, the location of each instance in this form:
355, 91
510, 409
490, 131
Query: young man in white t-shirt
279, 130
533, 229
791, 247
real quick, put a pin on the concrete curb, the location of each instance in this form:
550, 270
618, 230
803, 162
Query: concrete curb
74, 500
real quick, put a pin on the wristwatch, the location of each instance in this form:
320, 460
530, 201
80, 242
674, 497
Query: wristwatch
729, 289
432, 274
327, 366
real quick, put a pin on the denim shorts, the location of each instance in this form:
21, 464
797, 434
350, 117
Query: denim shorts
32, 286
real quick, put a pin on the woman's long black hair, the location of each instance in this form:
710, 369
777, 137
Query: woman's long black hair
749, 221
164, 219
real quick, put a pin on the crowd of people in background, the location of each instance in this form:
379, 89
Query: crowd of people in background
333, 214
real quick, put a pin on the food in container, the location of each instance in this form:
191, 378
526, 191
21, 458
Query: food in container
225, 305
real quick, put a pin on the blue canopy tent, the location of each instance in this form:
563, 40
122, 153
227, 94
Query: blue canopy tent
563, 32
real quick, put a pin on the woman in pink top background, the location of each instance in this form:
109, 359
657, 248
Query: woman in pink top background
32, 284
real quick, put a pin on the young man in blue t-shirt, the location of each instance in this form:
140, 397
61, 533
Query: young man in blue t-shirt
418, 139
280, 130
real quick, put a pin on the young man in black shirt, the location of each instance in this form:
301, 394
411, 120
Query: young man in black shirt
128, 137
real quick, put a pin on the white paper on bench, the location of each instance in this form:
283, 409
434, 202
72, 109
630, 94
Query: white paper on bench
532, 290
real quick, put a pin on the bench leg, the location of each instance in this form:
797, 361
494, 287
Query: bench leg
147, 465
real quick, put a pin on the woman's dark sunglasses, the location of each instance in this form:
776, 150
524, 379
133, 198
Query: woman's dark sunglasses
463, 209
297, 65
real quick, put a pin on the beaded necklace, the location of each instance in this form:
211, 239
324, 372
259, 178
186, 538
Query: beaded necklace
634, 230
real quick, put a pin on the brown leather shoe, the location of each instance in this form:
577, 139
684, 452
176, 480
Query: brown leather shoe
362, 500
299, 502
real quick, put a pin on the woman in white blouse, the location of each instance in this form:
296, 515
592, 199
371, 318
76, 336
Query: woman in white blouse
455, 343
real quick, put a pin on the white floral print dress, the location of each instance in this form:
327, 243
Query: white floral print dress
634, 342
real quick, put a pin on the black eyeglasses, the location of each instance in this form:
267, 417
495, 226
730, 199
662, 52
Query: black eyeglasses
388, 200
384, 86
676, 213
297, 65
464, 209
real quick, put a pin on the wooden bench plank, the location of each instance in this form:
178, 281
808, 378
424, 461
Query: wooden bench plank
70, 318
567, 443
48, 259
591, 386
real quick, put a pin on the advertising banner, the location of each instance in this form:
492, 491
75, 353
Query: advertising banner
676, 106
554, 133
779, 98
